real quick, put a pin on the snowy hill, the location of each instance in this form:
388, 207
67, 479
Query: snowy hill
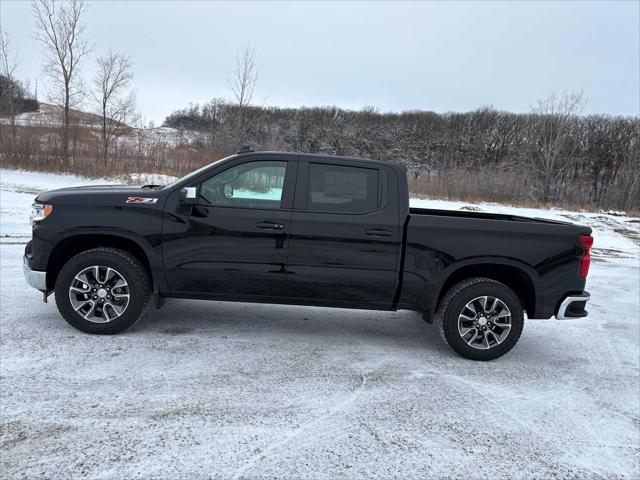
51, 116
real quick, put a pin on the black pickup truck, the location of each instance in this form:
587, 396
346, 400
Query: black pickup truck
289, 228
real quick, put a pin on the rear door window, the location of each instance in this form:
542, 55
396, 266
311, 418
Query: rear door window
343, 189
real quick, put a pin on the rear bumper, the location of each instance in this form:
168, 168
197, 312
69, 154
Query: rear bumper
35, 278
573, 306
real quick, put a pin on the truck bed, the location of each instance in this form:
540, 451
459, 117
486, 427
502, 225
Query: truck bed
440, 241
481, 215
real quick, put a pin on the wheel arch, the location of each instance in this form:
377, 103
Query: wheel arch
74, 244
522, 279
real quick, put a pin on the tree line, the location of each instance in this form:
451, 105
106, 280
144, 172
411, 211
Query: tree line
551, 155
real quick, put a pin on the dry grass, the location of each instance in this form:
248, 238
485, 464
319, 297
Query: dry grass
39, 149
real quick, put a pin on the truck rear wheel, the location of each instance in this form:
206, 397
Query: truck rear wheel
480, 318
102, 291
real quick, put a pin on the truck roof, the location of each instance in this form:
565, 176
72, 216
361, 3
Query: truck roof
319, 156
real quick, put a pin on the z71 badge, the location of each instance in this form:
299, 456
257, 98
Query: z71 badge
145, 200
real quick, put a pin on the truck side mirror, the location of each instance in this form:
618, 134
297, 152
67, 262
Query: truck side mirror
189, 195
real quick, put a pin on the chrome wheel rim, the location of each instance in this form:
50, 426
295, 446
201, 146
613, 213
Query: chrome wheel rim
484, 322
99, 294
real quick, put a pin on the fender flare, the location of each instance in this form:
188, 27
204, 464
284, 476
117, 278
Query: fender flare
153, 254
488, 261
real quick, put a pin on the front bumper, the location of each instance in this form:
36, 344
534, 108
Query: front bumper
35, 278
573, 306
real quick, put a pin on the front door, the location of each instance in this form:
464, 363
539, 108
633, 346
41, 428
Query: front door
235, 240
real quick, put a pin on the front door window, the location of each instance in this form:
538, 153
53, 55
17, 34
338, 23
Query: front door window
248, 185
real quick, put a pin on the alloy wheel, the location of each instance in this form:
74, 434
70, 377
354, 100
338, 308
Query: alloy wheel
484, 322
99, 294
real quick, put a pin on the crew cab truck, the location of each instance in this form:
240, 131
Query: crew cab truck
303, 229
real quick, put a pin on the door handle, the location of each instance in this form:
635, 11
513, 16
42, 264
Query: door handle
378, 232
270, 225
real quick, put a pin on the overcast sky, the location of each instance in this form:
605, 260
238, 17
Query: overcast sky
395, 56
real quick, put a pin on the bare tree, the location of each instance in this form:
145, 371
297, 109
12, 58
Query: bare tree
8, 65
554, 148
60, 29
243, 80
113, 94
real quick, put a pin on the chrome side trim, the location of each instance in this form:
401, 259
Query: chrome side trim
35, 278
562, 310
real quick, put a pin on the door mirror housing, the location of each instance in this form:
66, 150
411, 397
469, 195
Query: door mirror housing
228, 191
189, 195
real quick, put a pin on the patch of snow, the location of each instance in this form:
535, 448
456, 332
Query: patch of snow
616, 213
19, 188
149, 179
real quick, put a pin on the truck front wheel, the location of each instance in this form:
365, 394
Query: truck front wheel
480, 318
102, 291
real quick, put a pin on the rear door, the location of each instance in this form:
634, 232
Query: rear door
234, 241
345, 233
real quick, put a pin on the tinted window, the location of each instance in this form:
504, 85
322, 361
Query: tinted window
248, 185
334, 188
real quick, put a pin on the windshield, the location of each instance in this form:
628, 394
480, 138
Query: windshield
195, 173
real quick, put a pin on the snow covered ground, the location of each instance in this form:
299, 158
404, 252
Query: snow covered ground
213, 389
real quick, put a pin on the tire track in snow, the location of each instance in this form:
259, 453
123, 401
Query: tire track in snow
525, 425
274, 447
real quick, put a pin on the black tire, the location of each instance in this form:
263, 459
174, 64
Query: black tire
128, 266
453, 304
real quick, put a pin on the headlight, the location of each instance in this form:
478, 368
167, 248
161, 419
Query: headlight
40, 211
